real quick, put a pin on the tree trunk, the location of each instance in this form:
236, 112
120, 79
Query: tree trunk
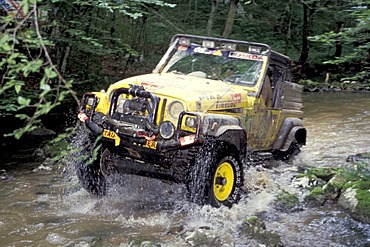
230, 18
338, 42
211, 17
337, 28
65, 59
308, 12
305, 32
288, 35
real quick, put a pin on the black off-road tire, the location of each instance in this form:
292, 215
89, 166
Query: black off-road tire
91, 178
213, 170
88, 171
287, 155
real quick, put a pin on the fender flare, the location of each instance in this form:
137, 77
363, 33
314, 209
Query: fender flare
290, 131
234, 135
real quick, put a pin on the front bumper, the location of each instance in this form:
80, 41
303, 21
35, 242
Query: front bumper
137, 145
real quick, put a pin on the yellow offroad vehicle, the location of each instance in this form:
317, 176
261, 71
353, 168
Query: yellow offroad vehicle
193, 120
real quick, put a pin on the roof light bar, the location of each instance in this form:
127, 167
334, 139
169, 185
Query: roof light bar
208, 44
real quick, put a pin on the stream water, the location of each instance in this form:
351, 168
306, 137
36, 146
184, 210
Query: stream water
43, 208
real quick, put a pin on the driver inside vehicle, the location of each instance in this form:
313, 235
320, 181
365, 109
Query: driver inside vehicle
266, 93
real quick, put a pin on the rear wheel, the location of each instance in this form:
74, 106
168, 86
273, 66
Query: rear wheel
215, 178
287, 155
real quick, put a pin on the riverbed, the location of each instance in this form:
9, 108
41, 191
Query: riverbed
42, 207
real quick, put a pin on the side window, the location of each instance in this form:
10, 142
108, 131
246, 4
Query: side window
277, 81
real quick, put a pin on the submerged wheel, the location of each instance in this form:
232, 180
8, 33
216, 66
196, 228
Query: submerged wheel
214, 177
91, 177
87, 165
287, 155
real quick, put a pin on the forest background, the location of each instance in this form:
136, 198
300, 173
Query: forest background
54, 51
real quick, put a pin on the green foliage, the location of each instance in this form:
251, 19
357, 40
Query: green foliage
30, 86
72, 42
353, 36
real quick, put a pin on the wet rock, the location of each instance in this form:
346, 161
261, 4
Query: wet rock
54, 238
364, 157
202, 237
313, 177
316, 197
4, 175
348, 199
349, 187
321, 173
286, 202
42, 168
357, 203
50, 153
176, 230
334, 186
39, 155
256, 229
145, 242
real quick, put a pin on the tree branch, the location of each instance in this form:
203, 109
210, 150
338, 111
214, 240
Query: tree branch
60, 77
163, 18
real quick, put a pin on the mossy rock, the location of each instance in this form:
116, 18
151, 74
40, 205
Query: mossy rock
362, 194
348, 185
323, 173
352, 187
255, 228
316, 176
316, 197
145, 242
362, 157
357, 203
334, 186
202, 237
363, 207
286, 201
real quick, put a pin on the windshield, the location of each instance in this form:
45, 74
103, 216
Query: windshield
230, 66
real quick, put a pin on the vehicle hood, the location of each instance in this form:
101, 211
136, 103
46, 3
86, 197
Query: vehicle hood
192, 90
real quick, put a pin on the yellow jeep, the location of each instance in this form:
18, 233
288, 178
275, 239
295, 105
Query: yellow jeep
193, 120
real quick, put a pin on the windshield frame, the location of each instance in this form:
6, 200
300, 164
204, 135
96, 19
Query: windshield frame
230, 50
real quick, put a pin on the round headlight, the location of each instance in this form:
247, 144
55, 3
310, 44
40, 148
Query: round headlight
166, 130
190, 122
174, 109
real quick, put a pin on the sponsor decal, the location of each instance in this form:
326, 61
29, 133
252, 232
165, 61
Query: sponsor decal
150, 86
210, 97
217, 53
244, 55
204, 50
225, 104
237, 97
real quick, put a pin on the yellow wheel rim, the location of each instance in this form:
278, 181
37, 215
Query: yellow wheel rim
223, 181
